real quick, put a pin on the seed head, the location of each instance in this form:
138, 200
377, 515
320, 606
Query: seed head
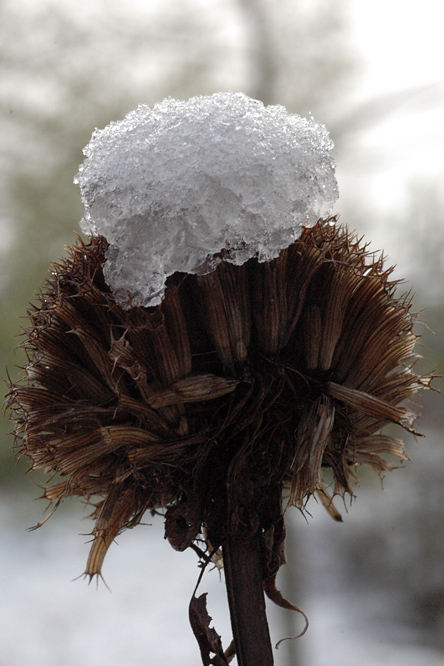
242, 383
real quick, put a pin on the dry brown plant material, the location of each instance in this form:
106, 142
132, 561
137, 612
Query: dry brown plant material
244, 382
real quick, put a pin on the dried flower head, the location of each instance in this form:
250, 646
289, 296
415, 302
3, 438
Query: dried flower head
243, 382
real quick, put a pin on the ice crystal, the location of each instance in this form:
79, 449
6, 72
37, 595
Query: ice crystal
173, 186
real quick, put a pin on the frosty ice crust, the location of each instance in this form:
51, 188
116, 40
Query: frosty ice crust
172, 186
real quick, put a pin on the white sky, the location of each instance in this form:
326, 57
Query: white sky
402, 47
401, 40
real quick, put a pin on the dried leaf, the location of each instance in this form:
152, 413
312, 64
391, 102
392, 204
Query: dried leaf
276, 596
208, 639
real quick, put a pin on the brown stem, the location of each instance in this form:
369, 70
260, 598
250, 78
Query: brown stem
243, 575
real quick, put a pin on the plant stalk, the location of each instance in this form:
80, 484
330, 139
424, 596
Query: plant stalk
243, 575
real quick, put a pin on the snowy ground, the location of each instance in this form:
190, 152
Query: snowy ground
49, 619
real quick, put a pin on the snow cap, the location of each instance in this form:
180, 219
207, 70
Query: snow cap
172, 186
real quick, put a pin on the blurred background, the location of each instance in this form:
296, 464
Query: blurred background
373, 72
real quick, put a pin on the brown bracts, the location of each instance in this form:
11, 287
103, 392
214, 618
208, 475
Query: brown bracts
244, 383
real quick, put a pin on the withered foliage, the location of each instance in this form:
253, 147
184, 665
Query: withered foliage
209, 641
245, 381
